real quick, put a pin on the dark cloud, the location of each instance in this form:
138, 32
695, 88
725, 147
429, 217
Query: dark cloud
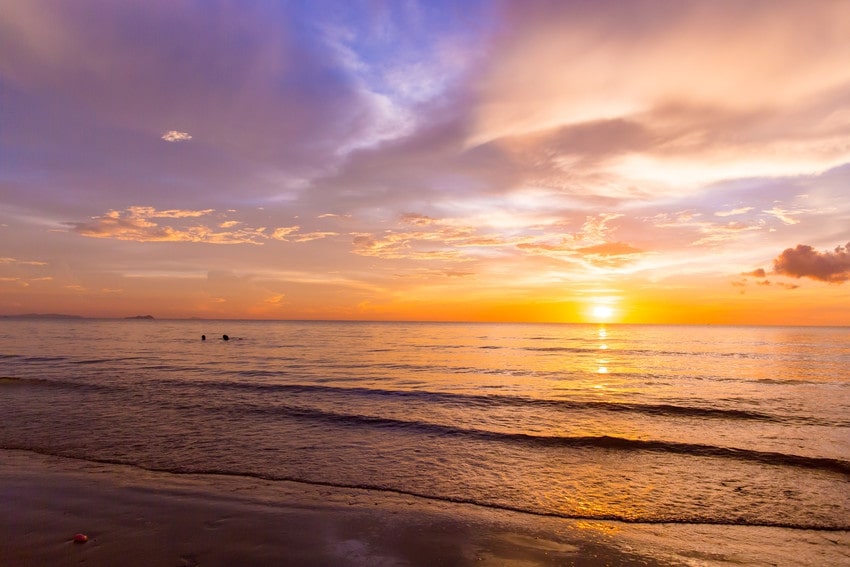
805, 261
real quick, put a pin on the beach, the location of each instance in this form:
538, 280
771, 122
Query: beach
134, 517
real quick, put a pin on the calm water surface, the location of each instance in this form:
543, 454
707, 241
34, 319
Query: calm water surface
714, 425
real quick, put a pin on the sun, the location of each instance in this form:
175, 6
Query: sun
601, 313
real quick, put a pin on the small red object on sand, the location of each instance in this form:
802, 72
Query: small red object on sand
80, 538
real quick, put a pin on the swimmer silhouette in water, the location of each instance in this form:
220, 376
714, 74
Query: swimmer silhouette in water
203, 337
225, 338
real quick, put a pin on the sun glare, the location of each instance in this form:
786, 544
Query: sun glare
601, 313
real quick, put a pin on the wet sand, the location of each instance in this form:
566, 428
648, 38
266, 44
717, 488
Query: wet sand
134, 517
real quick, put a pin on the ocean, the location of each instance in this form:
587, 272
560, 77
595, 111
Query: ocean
651, 425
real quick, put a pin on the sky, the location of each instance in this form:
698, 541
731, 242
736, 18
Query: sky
465, 160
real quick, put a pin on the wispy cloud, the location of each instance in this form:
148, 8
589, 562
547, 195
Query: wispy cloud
785, 215
733, 212
318, 235
15, 261
283, 232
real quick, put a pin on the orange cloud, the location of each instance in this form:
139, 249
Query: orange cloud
137, 224
146, 224
437, 240
281, 233
417, 219
308, 236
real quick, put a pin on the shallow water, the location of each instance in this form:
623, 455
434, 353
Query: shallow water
700, 425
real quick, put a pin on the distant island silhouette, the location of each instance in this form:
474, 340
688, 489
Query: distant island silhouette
65, 316
42, 316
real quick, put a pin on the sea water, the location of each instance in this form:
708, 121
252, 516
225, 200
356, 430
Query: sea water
739, 426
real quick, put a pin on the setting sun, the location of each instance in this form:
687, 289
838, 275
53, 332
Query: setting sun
601, 313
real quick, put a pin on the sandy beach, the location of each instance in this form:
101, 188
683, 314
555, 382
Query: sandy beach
135, 517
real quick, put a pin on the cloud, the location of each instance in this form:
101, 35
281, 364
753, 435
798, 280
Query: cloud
318, 235
805, 261
719, 233
288, 86
430, 239
138, 211
609, 254
7, 260
757, 273
626, 114
785, 215
175, 136
417, 219
733, 212
147, 224
610, 249
138, 224
429, 274
281, 233
452, 239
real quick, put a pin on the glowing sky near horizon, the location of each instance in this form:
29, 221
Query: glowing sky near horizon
645, 161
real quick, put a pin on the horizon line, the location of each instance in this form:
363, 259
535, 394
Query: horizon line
72, 317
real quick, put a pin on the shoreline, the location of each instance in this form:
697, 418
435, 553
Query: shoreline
135, 517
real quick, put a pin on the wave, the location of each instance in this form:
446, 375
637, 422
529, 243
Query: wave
51, 383
23, 358
109, 360
639, 352
604, 442
489, 401
686, 519
481, 401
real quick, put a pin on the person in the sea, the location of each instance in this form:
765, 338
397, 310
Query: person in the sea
225, 338
203, 337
